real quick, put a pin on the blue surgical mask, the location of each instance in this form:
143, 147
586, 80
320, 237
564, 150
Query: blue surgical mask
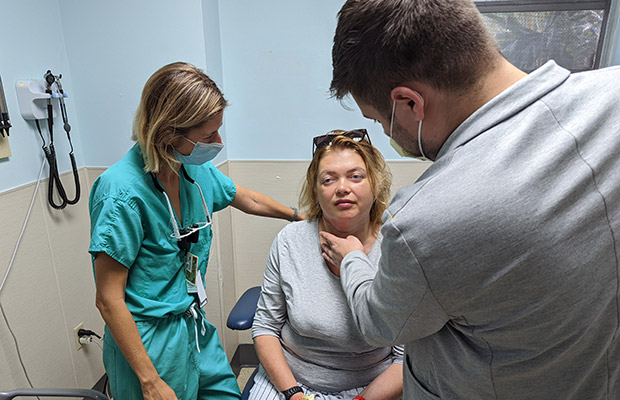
399, 149
201, 153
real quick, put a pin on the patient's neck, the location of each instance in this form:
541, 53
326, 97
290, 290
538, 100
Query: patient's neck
343, 228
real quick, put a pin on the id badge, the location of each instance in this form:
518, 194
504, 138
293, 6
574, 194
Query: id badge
191, 267
202, 293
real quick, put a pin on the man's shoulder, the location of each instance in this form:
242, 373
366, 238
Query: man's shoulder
597, 82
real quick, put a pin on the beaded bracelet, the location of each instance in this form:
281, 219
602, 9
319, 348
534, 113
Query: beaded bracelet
294, 217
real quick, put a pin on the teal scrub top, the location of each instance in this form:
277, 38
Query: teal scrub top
130, 221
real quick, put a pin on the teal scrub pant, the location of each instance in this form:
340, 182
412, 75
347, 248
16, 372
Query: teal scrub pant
171, 344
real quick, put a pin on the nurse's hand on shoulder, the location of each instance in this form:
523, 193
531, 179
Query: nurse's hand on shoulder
158, 390
255, 203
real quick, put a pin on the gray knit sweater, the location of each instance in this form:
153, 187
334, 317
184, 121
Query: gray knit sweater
499, 266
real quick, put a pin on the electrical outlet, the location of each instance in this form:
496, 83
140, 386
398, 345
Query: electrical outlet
78, 345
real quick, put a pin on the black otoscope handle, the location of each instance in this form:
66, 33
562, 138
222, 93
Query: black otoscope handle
50, 154
76, 180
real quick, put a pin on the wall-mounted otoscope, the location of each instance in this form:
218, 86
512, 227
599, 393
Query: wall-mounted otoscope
5, 122
37, 101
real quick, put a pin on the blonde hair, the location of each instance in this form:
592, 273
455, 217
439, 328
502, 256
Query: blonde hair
379, 176
175, 99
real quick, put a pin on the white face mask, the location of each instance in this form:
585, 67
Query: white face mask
399, 149
201, 153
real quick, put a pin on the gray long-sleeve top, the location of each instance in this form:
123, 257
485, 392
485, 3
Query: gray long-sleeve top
304, 305
499, 266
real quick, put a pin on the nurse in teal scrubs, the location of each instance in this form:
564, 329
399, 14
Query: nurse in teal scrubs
150, 239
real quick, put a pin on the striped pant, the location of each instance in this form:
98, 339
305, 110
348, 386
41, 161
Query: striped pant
263, 389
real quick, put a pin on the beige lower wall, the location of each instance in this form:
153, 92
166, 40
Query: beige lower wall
48, 292
50, 288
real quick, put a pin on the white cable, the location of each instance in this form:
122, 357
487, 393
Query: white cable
34, 195
19, 239
86, 339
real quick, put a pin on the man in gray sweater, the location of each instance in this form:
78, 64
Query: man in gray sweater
499, 266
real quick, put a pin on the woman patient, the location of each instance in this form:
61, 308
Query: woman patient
303, 331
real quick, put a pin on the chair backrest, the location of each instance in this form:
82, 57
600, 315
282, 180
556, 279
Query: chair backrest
240, 319
242, 314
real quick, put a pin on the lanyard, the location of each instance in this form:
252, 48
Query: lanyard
189, 234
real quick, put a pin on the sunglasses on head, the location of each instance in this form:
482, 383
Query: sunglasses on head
326, 140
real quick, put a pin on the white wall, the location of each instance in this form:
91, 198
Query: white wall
33, 42
113, 47
271, 58
276, 58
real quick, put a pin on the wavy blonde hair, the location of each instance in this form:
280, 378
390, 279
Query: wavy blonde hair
175, 99
378, 173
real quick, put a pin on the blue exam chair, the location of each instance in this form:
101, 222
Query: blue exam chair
241, 318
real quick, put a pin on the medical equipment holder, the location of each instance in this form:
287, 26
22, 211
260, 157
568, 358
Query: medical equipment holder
32, 99
35, 102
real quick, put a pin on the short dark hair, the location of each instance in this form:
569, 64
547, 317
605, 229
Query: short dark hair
380, 44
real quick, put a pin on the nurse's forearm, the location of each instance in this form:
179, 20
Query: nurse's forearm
256, 203
111, 279
125, 333
127, 338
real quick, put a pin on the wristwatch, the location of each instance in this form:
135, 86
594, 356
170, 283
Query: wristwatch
288, 393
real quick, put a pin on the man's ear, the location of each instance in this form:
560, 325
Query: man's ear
411, 98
